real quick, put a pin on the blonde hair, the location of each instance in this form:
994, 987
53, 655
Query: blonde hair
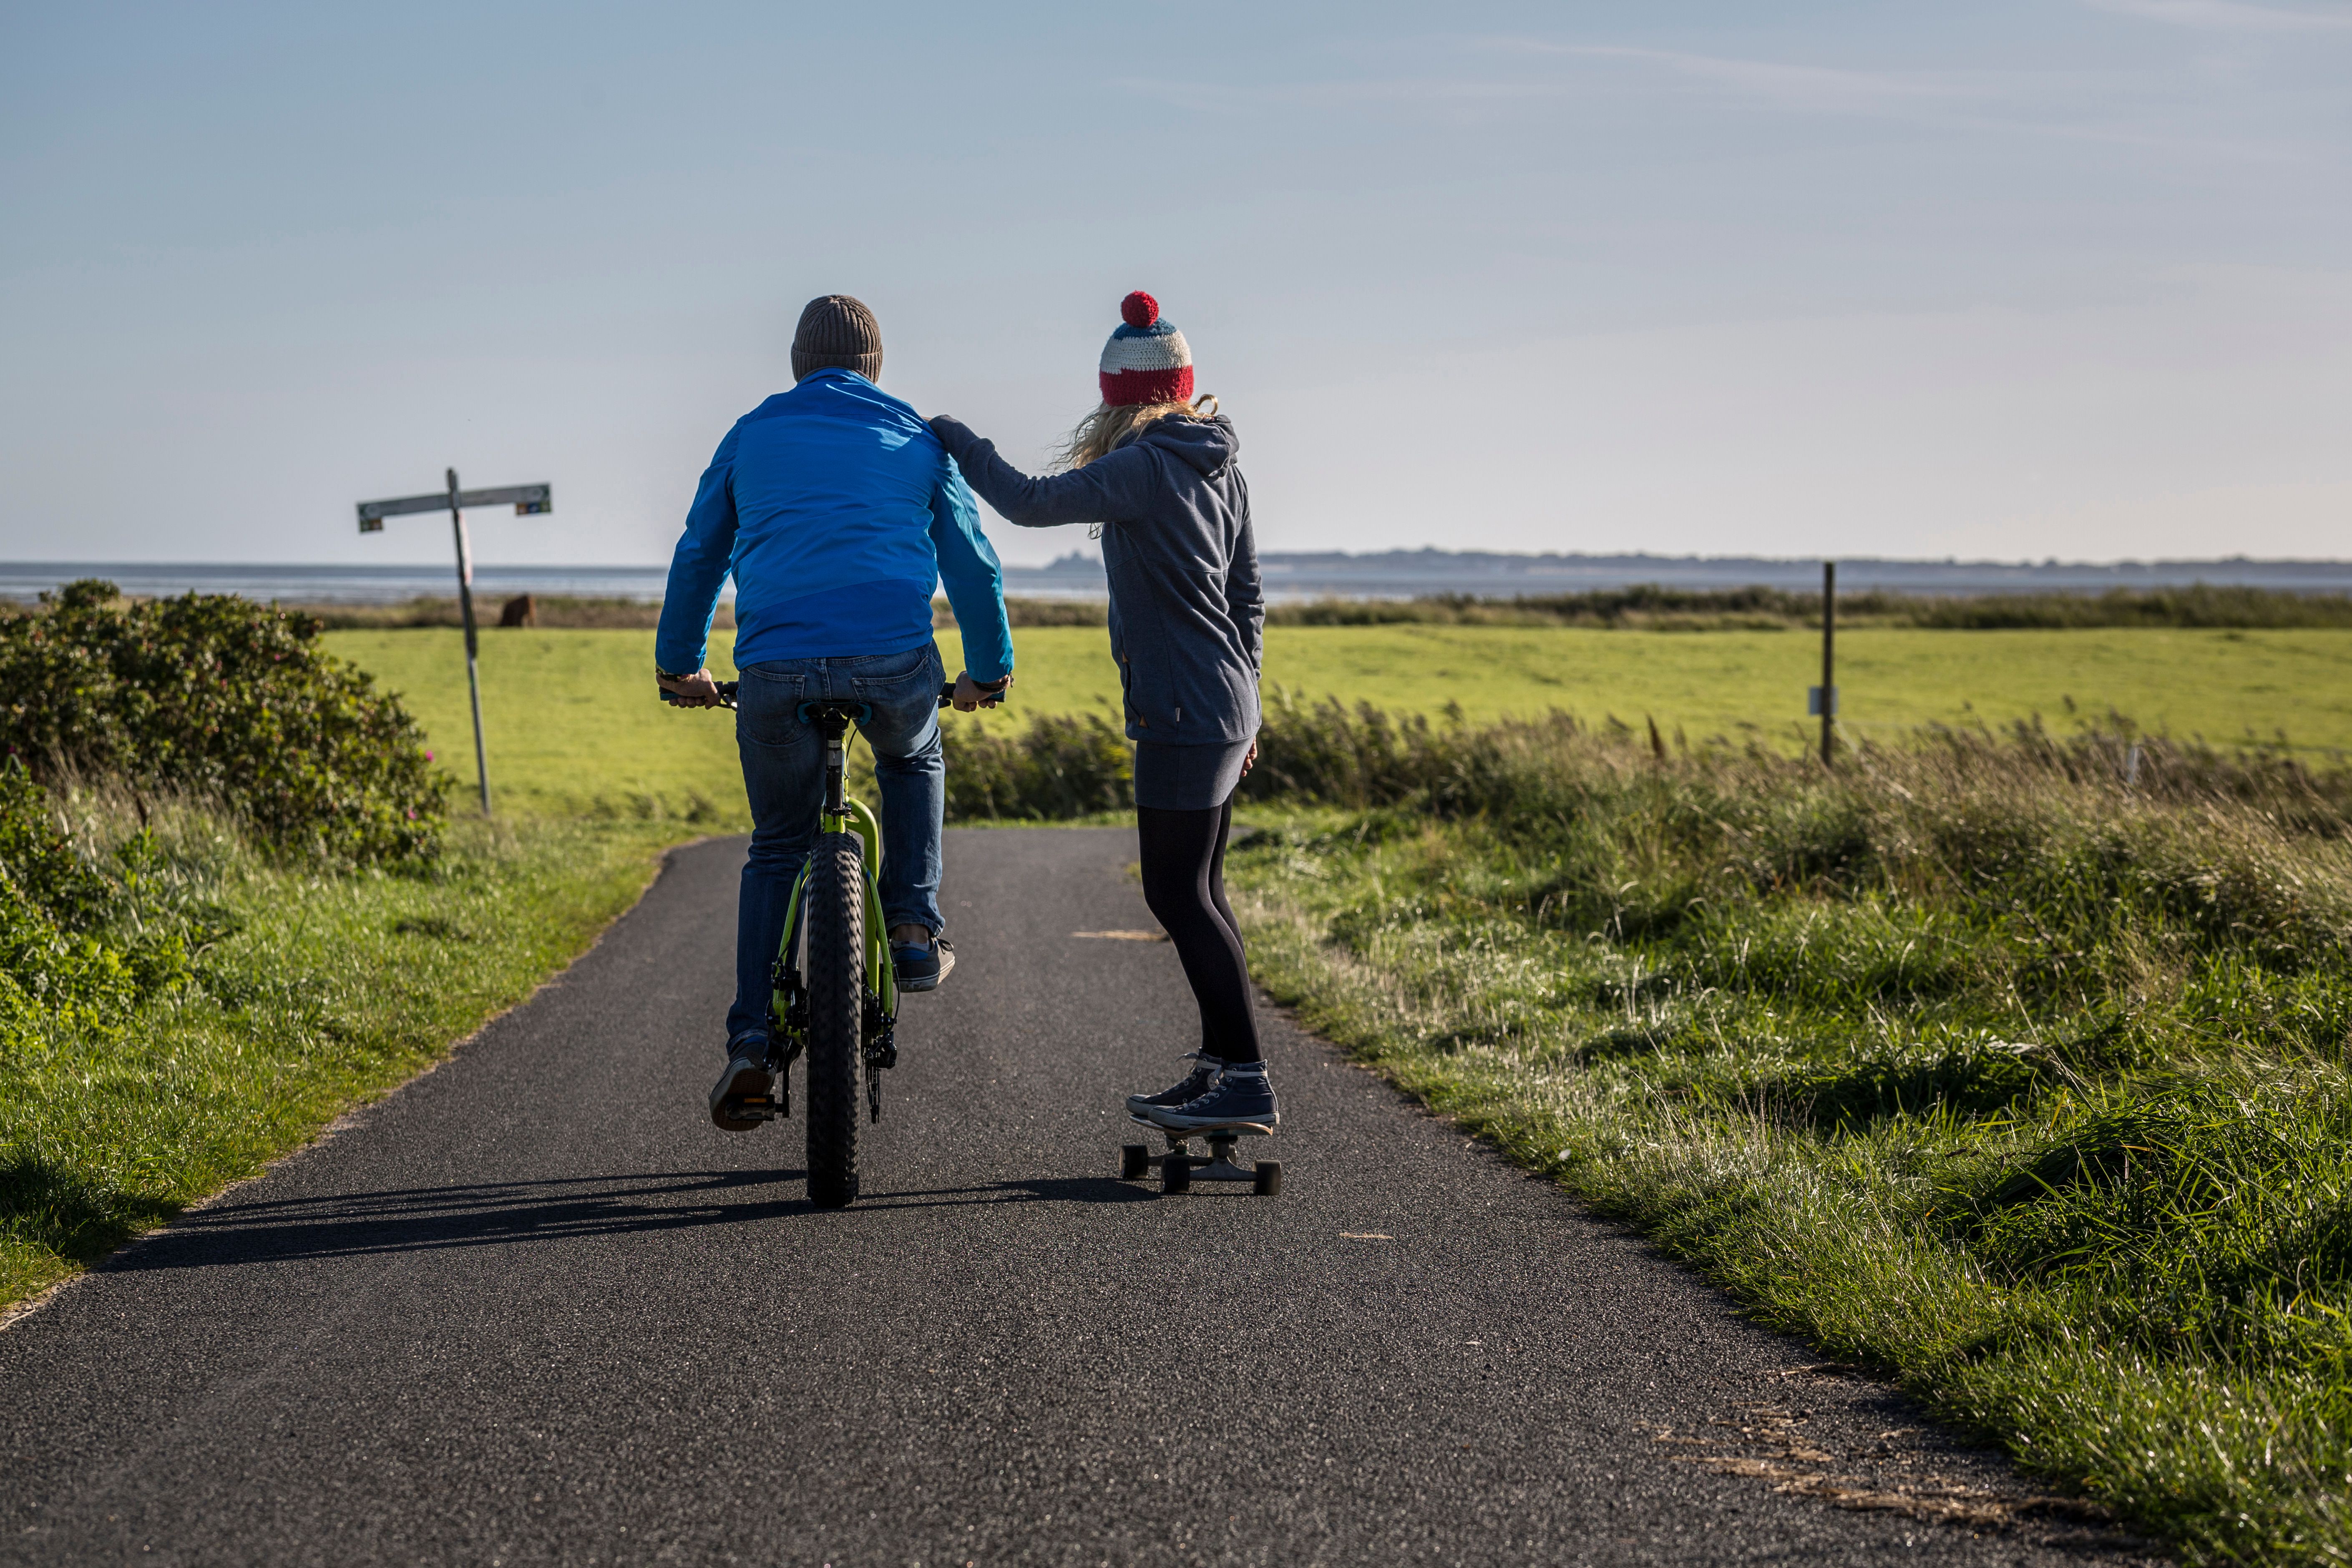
1112, 426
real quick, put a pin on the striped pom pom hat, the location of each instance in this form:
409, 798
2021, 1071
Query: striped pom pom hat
1147, 359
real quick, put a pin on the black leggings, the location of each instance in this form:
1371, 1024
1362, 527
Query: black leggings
1184, 883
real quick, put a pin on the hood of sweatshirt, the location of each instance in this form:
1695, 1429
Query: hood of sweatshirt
1206, 445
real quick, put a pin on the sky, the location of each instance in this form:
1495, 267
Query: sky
2013, 280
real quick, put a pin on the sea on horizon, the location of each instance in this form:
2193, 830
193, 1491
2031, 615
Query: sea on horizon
1288, 575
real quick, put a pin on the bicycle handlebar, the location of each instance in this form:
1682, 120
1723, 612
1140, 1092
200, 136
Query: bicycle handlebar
729, 690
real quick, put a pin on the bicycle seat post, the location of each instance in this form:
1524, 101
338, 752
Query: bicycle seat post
834, 725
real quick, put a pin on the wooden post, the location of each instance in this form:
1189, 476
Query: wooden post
1829, 660
529, 500
466, 613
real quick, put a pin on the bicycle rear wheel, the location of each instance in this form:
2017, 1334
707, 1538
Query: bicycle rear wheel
837, 998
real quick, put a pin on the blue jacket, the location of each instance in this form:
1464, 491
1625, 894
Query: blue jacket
838, 513
1187, 618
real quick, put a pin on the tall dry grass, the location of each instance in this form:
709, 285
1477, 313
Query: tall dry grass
2011, 1063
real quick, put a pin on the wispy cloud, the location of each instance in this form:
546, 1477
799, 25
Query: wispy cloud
2037, 102
1802, 88
1209, 98
2071, 105
1821, 87
2230, 15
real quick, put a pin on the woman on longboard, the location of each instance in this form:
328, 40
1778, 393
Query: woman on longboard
1153, 469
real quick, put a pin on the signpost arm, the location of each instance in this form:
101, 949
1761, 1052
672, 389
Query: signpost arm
1828, 659
465, 612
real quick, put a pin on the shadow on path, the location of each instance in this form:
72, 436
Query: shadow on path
497, 1214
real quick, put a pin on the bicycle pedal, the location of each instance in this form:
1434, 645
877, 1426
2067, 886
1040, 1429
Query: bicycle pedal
756, 1108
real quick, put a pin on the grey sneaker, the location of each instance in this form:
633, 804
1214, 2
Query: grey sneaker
746, 1078
922, 968
1241, 1097
1198, 1082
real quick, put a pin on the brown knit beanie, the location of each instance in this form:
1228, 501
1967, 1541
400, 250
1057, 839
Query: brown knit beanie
837, 332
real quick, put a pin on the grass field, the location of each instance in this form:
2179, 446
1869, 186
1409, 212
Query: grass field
574, 726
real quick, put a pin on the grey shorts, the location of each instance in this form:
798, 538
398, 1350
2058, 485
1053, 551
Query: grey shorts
1187, 778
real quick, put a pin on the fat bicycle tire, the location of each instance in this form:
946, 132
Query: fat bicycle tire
836, 1002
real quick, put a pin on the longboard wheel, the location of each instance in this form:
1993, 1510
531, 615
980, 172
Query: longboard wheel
1268, 1178
1176, 1174
1134, 1161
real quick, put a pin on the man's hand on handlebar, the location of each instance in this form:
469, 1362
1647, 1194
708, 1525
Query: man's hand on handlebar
971, 694
695, 691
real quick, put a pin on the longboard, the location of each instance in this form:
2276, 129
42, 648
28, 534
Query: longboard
1242, 1129
1179, 1167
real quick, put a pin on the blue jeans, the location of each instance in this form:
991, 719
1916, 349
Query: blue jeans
784, 772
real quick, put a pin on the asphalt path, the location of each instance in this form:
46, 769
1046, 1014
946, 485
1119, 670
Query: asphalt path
534, 1308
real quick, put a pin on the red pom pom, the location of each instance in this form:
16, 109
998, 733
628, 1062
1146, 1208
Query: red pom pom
1139, 310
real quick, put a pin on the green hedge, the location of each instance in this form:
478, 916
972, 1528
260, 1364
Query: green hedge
1059, 766
2200, 605
221, 699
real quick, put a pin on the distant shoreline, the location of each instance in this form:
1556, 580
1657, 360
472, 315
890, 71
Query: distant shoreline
1289, 576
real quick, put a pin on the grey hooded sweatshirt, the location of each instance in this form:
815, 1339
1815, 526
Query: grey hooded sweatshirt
1187, 617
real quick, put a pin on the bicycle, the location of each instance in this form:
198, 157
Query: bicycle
836, 992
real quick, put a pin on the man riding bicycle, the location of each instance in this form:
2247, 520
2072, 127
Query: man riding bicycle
837, 512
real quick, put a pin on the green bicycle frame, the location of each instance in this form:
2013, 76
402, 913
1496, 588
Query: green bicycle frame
857, 817
881, 974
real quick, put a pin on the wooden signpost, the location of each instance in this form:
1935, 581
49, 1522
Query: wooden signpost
529, 500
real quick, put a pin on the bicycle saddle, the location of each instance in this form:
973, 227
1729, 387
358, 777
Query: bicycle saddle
834, 708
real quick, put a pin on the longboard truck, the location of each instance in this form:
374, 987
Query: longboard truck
1179, 1167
